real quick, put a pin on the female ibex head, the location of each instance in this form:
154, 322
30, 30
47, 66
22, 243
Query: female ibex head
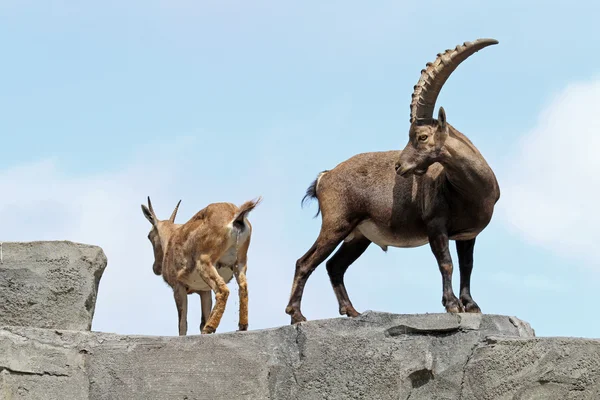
159, 233
427, 135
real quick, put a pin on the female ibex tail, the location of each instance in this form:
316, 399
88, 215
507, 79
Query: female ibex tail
244, 210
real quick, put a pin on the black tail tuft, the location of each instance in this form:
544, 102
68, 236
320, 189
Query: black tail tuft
311, 193
244, 209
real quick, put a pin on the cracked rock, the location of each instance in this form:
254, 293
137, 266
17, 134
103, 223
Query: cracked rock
341, 358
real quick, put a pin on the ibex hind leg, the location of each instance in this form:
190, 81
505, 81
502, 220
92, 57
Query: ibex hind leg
180, 295
209, 273
337, 266
332, 233
206, 306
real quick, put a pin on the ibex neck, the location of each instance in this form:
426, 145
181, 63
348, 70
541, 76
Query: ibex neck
165, 233
466, 169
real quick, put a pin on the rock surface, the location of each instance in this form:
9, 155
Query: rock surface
541, 368
49, 284
377, 356
53, 285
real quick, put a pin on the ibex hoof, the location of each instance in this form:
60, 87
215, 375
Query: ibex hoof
454, 306
472, 308
349, 311
242, 327
208, 330
295, 314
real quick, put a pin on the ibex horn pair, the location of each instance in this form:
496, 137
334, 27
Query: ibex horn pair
173, 215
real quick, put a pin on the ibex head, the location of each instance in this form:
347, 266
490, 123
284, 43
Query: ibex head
427, 136
425, 146
159, 234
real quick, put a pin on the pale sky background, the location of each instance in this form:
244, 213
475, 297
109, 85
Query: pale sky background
105, 103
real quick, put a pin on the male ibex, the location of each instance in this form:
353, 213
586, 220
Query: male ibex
438, 188
203, 255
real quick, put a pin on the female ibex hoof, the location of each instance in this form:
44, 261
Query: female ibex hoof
242, 327
208, 330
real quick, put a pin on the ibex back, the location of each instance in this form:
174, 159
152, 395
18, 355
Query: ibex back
438, 188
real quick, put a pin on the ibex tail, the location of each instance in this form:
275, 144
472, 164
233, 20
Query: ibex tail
245, 209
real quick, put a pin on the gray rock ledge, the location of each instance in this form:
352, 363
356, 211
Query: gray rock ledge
50, 284
374, 356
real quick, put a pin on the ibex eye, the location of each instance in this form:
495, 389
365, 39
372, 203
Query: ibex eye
423, 138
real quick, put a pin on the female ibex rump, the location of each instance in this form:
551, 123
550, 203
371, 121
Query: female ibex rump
439, 188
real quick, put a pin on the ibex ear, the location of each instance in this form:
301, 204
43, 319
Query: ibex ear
149, 216
442, 126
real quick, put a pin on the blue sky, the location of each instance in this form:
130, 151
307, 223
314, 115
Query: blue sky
103, 104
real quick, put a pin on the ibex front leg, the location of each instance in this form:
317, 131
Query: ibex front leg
438, 240
464, 249
180, 294
206, 306
240, 277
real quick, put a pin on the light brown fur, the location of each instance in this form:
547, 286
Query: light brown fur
217, 238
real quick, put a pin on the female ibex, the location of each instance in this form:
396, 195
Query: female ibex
438, 188
203, 255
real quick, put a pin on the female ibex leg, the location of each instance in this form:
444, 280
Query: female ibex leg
330, 236
240, 276
210, 275
337, 266
440, 247
206, 306
464, 249
180, 295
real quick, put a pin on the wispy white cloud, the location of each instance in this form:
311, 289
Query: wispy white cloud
551, 188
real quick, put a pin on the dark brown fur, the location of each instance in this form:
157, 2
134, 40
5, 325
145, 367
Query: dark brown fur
439, 188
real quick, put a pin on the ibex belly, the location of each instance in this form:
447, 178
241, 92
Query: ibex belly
224, 267
384, 237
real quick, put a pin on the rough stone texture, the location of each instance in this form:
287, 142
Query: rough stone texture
376, 356
49, 284
541, 368
53, 285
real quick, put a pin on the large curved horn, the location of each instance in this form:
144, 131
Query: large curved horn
172, 219
435, 75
